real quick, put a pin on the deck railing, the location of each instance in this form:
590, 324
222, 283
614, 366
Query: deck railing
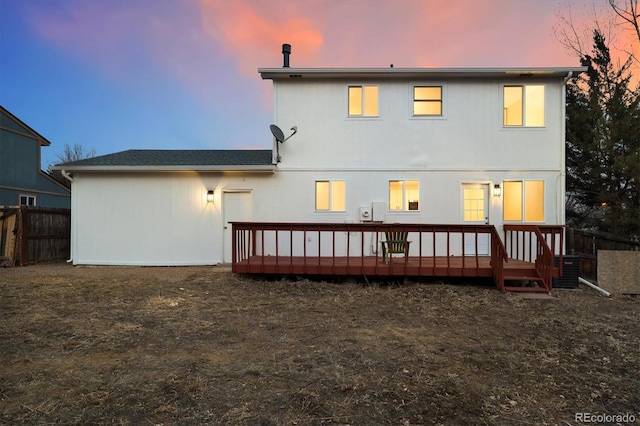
498, 257
538, 244
354, 248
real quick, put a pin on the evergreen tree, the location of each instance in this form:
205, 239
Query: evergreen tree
603, 146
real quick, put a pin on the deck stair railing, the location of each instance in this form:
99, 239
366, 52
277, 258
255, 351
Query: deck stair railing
498, 257
533, 243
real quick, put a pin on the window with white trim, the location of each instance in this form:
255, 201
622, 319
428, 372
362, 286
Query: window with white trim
363, 101
523, 201
523, 106
27, 200
404, 195
427, 101
331, 195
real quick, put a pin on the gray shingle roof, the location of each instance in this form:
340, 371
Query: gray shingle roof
185, 159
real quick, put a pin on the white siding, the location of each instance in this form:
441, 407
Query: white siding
470, 135
164, 219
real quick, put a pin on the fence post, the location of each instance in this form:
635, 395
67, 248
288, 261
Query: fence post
23, 236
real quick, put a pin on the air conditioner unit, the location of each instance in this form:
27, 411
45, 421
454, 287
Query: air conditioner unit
365, 214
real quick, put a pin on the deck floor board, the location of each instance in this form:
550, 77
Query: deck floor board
436, 266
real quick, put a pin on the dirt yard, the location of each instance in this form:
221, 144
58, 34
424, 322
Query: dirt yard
196, 345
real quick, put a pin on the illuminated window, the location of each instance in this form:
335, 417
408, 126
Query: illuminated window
523, 106
330, 195
363, 101
27, 200
427, 100
523, 201
404, 194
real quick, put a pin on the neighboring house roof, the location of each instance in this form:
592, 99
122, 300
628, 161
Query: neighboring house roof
28, 130
395, 73
176, 160
21, 162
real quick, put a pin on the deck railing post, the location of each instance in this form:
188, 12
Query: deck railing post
253, 241
304, 249
233, 247
448, 248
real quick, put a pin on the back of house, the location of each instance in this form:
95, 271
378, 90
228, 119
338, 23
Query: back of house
387, 145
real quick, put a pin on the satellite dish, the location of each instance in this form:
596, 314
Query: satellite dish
277, 133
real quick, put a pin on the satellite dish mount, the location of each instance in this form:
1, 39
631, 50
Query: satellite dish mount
279, 135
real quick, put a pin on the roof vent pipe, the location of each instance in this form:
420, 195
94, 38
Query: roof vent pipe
286, 51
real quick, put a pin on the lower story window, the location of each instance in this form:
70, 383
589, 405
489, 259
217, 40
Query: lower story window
404, 194
331, 195
27, 200
524, 201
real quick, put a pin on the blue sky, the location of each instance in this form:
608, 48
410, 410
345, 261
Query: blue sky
182, 74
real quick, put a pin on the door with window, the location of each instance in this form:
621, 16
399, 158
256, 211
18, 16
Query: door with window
475, 211
237, 206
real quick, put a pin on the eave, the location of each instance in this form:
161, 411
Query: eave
418, 73
270, 168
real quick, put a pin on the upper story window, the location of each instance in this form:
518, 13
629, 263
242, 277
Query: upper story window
27, 200
524, 201
427, 100
363, 101
404, 194
331, 195
523, 105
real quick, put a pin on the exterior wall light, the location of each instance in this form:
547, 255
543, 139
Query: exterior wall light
497, 191
210, 196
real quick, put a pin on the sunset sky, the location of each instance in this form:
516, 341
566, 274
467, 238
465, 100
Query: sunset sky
182, 74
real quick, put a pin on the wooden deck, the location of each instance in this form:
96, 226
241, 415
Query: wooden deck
280, 242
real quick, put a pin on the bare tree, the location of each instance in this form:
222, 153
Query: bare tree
629, 14
610, 18
69, 154
576, 23
74, 153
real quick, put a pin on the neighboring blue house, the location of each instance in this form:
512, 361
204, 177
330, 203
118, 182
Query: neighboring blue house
22, 181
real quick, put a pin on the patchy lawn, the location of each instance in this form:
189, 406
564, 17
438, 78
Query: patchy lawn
200, 345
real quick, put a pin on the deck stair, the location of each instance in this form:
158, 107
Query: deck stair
531, 249
523, 277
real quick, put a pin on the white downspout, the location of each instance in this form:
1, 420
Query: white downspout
67, 175
562, 197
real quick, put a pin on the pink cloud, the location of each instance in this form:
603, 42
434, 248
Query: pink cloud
252, 33
445, 33
206, 45
131, 43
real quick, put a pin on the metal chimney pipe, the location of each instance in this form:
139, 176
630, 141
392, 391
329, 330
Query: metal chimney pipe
286, 51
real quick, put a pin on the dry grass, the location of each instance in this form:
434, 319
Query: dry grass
81, 345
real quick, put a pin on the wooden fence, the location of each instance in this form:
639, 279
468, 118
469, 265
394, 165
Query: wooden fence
34, 234
585, 245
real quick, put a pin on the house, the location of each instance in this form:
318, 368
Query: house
384, 145
22, 181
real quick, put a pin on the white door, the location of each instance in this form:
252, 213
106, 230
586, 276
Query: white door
475, 211
237, 206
